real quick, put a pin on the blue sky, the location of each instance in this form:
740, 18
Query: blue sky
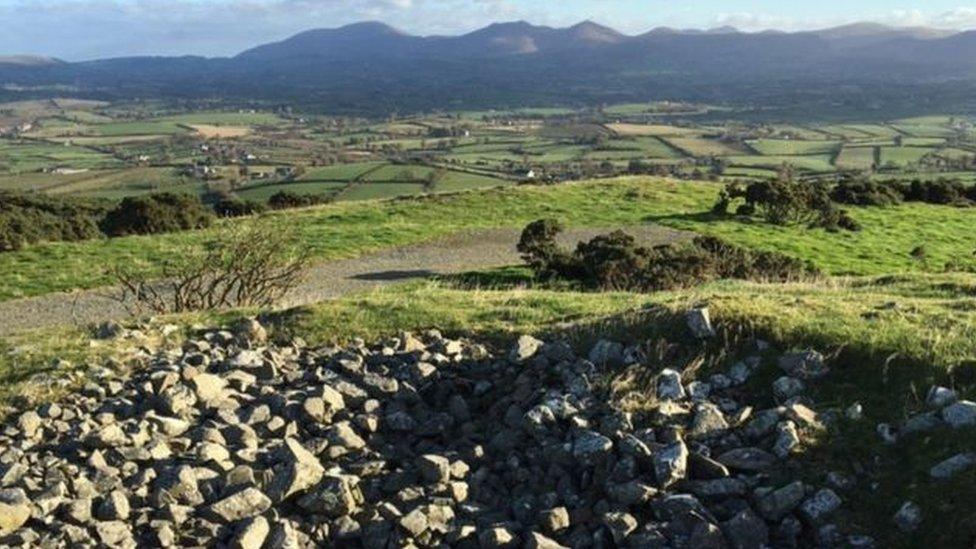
86, 29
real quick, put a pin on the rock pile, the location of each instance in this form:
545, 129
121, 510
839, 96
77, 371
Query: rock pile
424, 442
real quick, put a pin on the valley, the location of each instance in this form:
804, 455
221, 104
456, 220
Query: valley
65, 147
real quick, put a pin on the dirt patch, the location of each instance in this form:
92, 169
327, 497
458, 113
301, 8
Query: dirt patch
210, 131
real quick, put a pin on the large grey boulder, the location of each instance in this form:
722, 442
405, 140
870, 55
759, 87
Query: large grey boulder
298, 470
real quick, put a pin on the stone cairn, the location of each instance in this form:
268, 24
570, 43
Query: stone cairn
419, 441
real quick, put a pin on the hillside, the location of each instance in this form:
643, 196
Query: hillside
360, 65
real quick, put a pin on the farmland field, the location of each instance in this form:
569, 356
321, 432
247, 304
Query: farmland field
115, 129
210, 131
651, 130
815, 163
781, 147
226, 119
28, 156
339, 172
700, 146
856, 158
262, 192
901, 156
255, 151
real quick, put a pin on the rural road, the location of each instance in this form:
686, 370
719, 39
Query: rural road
457, 253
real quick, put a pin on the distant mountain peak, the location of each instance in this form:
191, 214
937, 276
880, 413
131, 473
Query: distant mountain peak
368, 27
594, 32
725, 29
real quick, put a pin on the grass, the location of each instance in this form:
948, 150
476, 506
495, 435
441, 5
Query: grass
339, 172
372, 191
148, 127
926, 319
651, 130
813, 163
856, 158
702, 146
902, 156
226, 119
261, 193
31, 156
793, 147
351, 229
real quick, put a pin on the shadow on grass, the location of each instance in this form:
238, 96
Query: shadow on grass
396, 275
701, 218
502, 278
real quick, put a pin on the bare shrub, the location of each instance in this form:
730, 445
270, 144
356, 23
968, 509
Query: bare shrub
244, 266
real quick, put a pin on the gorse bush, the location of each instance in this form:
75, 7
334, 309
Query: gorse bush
940, 191
616, 262
157, 213
862, 191
227, 205
785, 201
540, 250
29, 218
283, 200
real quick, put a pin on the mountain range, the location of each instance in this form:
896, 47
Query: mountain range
374, 67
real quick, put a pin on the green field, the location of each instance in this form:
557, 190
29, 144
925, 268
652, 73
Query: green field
226, 118
700, 146
956, 154
262, 192
149, 127
902, 156
924, 130
19, 156
814, 163
875, 130
761, 173
338, 172
784, 147
856, 158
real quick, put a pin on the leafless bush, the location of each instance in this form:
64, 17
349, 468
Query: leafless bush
244, 266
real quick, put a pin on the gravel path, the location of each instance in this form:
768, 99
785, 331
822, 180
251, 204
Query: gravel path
460, 252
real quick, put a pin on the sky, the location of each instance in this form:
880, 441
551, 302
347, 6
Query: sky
87, 29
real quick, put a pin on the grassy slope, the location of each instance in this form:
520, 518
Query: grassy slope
350, 229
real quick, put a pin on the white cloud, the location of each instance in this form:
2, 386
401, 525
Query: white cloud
755, 21
958, 18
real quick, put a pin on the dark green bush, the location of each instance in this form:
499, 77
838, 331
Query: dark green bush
940, 191
785, 201
157, 213
228, 205
541, 252
862, 191
283, 200
613, 262
29, 218
616, 262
